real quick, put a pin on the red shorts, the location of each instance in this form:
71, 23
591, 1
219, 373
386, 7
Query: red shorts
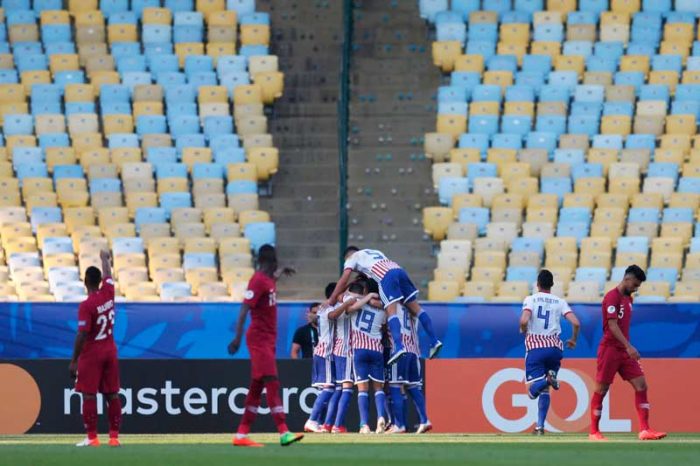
98, 371
613, 361
262, 360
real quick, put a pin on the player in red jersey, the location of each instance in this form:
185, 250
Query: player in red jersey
94, 364
261, 337
616, 355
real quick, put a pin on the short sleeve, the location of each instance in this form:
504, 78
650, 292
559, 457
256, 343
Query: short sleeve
298, 336
351, 262
254, 292
611, 303
108, 286
527, 304
565, 308
84, 318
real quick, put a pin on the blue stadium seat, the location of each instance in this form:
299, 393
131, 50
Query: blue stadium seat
115, 141
54, 140
68, 171
449, 186
171, 170
41, 215
521, 274
643, 214
259, 234
663, 170
486, 93
242, 187
57, 245
633, 244
18, 124
161, 155
592, 274
198, 260
146, 215
558, 186
677, 215
570, 156
105, 185
127, 246
586, 170
151, 124
578, 230
31, 170
689, 185
217, 125
483, 124
477, 215
481, 170
208, 170
525, 244
170, 201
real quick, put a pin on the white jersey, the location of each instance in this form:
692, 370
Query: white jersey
370, 262
341, 344
367, 328
409, 330
326, 330
543, 328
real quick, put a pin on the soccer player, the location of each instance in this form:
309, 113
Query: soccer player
395, 287
616, 355
406, 377
261, 301
323, 371
94, 364
540, 322
368, 354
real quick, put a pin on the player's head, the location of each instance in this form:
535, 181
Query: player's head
329, 289
349, 251
545, 280
93, 277
267, 256
634, 277
312, 312
358, 287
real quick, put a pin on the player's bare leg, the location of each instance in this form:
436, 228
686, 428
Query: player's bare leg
642, 405
599, 393
90, 421
114, 410
427, 323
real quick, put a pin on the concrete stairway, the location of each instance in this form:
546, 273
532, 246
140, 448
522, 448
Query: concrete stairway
307, 37
393, 83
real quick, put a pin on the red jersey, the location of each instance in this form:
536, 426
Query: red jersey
96, 317
261, 296
617, 307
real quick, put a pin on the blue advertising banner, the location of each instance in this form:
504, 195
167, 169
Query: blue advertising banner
202, 331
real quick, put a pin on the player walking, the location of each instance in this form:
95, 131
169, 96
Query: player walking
406, 376
323, 370
94, 364
395, 287
540, 321
616, 355
261, 301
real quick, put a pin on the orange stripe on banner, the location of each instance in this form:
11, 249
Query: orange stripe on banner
489, 395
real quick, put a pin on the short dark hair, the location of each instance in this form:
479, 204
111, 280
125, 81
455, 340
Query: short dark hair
372, 286
358, 286
350, 249
545, 279
313, 305
267, 254
637, 272
93, 277
329, 289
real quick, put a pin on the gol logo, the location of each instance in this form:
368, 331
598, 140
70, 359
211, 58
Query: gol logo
20, 400
505, 417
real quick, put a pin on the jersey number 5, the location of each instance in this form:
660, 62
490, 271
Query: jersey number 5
544, 315
364, 321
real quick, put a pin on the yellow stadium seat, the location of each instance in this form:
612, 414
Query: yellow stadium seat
629, 186
242, 172
583, 292
678, 32
648, 229
241, 202
436, 221
271, 85
232, 262
462, 231
656, 288
687, 289
266, 161
536, 158
524, 187
443, 291
479, 289
445, 54
470, 62
681, 124
687, 200
680, 230
252, 216
156, 16
553, 49
200, 245
437, 146
649, 125
255, 34
515, 290
185, 49
594, 186
453, 125
117, 124
579, 200
487, 274
665, 186
445, 169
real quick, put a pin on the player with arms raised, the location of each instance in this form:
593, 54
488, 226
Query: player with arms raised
395, 287
540, 322
261, 337
616, 355
94, 364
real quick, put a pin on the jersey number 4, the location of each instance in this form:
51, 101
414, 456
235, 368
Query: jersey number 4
544, 315
364, 321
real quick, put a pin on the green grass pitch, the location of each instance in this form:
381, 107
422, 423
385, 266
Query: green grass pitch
355, 450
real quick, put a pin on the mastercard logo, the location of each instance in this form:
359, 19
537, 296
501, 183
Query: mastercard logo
20, 400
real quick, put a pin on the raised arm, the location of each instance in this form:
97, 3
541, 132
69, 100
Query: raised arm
339, 287
105, 256
236, 342
576, 328
335, 313
362, 301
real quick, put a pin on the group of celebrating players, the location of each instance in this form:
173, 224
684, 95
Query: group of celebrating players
367, 333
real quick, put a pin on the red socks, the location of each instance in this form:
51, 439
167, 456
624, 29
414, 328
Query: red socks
252, 403
642, 405
275, 403
596, 410
90, 417
114, 411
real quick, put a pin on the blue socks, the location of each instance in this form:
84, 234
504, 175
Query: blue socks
320, 402
419, 400
380, 403
427, 324
343, 407
542, 408
332, 405
397, 402
394, 325
537, 387
363, 403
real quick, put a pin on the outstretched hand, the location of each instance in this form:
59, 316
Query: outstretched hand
571, 343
